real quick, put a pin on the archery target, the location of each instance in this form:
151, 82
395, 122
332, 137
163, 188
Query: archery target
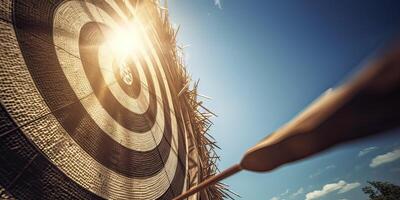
81, 120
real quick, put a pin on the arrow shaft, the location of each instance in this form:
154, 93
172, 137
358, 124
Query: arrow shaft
210, 181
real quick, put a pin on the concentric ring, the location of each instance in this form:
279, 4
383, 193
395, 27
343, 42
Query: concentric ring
118, 139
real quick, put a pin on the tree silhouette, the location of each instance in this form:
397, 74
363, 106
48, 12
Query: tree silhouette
377, 190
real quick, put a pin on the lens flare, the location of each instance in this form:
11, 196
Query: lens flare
125, 41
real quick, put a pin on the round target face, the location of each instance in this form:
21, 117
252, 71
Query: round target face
89, 102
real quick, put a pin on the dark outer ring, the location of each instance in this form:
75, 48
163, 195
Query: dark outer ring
40, 178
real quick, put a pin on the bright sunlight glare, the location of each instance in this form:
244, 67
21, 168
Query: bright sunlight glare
125, 41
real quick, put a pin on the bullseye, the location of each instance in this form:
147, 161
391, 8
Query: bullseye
126, 74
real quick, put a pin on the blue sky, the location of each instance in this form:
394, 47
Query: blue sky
262, 62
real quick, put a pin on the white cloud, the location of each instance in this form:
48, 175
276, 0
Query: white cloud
218, 3
288, 195
320, 171
385, 158
366, 151
342, 186
330, 167
349, 187
298, 192
285, 193
278, 197
328, 188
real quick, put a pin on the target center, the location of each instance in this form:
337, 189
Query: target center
126, 74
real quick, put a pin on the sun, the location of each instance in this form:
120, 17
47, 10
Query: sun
125, 41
